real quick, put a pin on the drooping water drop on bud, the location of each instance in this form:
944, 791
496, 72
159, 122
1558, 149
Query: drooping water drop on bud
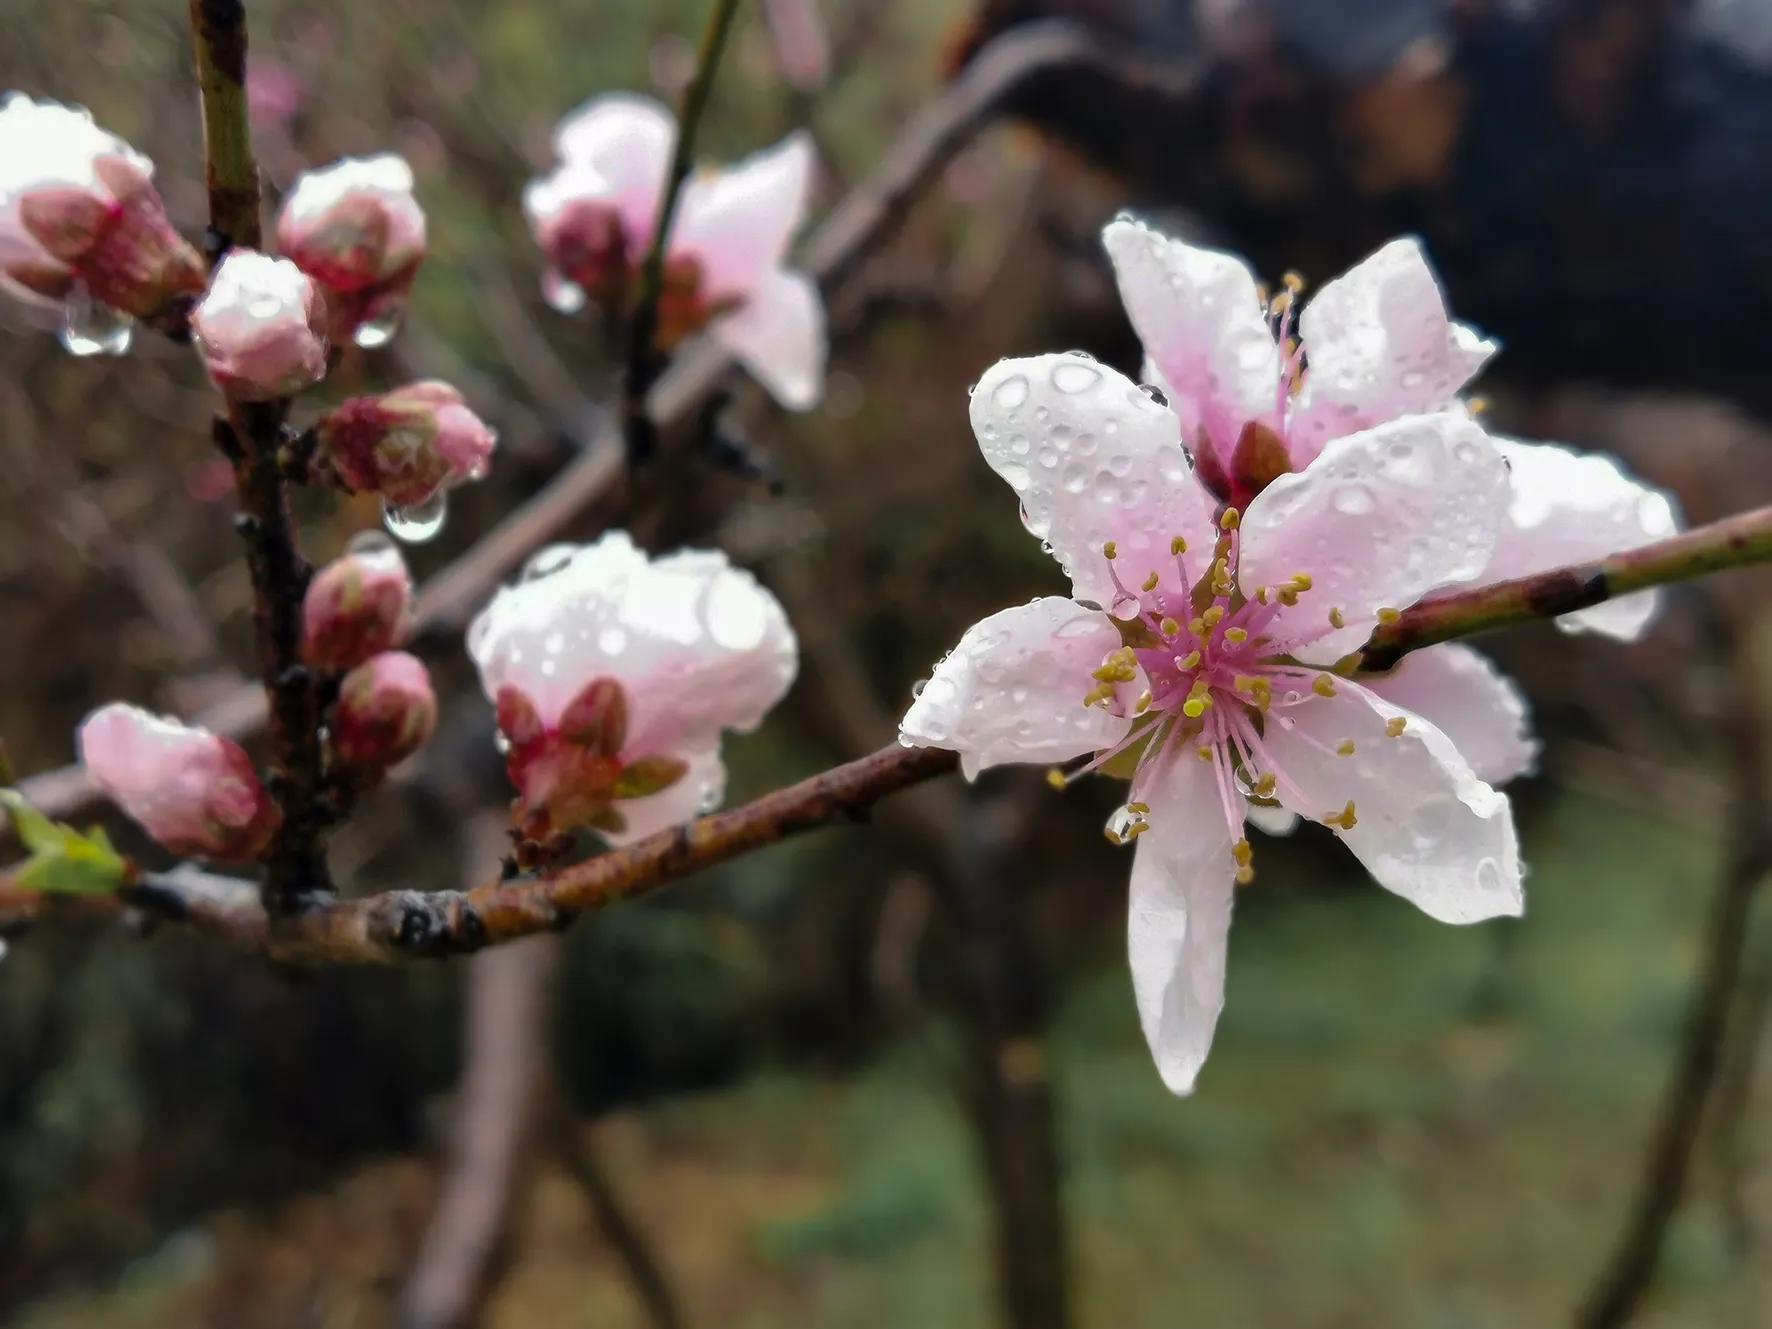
378, 331
90, 327
418, 523
563, 296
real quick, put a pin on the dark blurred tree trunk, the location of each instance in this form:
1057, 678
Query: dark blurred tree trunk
1002, 998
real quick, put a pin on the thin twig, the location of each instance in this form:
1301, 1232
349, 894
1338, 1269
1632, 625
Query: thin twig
643, 359
1628, 1273
249, 437
619, 1227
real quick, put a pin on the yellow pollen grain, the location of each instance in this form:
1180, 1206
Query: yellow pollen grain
1337, 619
1302, 581
1345, 748
1394, 727
1389, 615
1055, 778
1110, 550
1194, 707
1243, 852
1190, 660
1229, 519
1150, 582
1236, 636
1323, 685
1178, 546
1170, 627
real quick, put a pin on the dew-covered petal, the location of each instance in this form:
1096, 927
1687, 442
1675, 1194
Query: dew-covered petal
1179, 917
1425, 826
1203, 326
697, 644
779, 335
1379, 519
1380, 346
1013, 689
700, 790
1569, 506
1092, 459
738, 221
1462, 694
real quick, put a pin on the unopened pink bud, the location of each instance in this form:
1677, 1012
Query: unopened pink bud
193, 791
78, 209
357, 606
406, 445
261, 329
356, 229
386, 711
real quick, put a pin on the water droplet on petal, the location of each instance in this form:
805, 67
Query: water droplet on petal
565, 297
1010, 393
1352, 500
416, 524
612, 641
377, 331
92, 328
1069, 376
917, 688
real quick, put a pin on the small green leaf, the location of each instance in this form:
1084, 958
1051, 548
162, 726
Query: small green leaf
62, 858
648, 775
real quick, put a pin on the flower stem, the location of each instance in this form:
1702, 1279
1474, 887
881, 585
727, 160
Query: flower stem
643, 361
219, 30
1734, 542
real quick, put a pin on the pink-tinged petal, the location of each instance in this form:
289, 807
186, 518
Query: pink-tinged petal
698, 645
699, 790
261, 328
1203, 325
1425, 826
1012, 690
627, 140
779, 335
737, 221
1379, 345
1093, 459
1179, 917
1569, 506
1465, 697
1378, 520
1271, 821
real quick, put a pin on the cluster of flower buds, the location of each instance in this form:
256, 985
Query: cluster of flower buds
81, 224
595, 216
408, 445
357, 230
261, 329
193, 791
614, 676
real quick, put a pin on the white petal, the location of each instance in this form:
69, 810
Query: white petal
779, 334
1202, 322
1013, 689
1378, 520
1379, 346
1179, 917
1570, 506
628, 139
1426, 826
738, 221
1093, 459
700, 790
1469, 700
1271, 821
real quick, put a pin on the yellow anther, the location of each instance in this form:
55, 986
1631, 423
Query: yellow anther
1098, 695
1198, 627
1113, 836
1229, 519
1139, 809
1213, 616
1236, 636
1170, 627
1245, 875
1190, 660
1150, 582
1055, 777
1178, 546
1281, 303
1143, 703
1204, 752
1288, 596
1301, 581
1194, 707
1264, 787
1323, 685
1243, 852
1394, 727
1476, 405
1261, 594
1110, 550
1344, 819
1337, 619
1345, 748
1293, 282
1388, 615
1137, 829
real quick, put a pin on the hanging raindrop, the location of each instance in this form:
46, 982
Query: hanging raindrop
92, 328
418, 523
377, 331
567, 297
